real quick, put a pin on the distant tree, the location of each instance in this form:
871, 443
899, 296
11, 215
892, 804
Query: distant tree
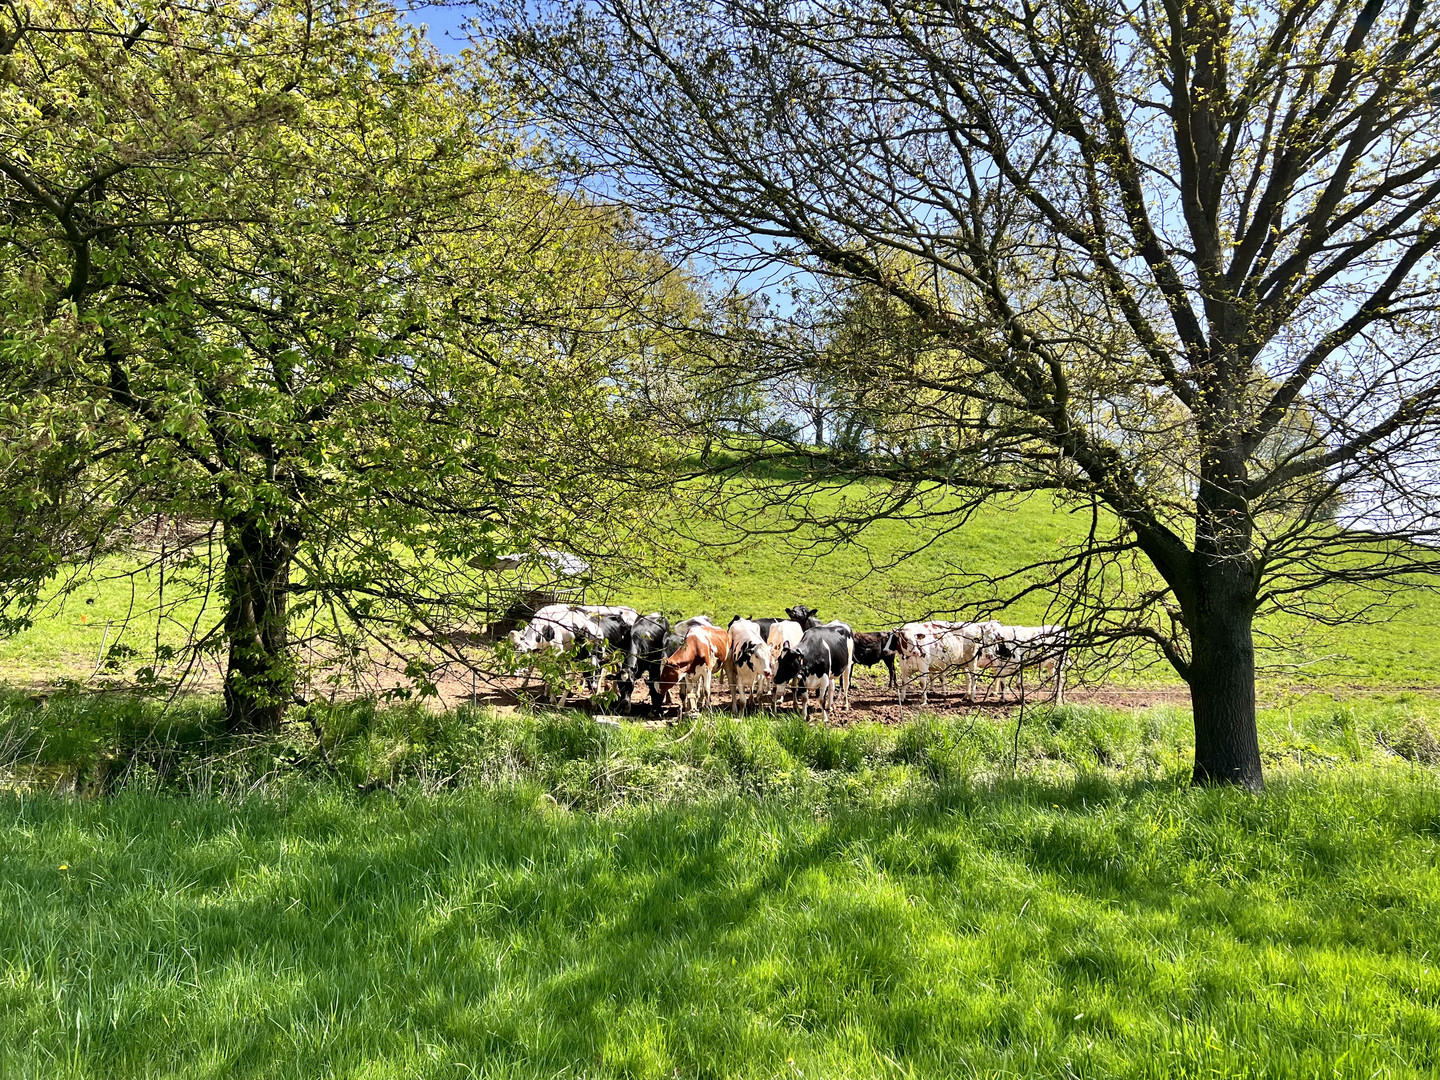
1142, 241
281, 271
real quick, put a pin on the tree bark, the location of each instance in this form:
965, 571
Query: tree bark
1222, 642
1222, 683
260, 674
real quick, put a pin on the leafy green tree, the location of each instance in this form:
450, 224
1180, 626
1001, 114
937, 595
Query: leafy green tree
282, 271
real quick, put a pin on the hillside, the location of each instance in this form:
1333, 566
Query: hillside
723, 573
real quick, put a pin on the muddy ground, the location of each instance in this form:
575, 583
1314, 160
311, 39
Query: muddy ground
870, 698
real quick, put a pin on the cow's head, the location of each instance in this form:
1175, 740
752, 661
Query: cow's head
787, 665
765, 660
756, 655
910, 644
802, 615
669, 679
890, 642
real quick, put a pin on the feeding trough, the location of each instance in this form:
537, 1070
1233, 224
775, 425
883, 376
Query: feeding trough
525, 581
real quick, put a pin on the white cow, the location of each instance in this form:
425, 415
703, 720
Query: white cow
558, 627
751, 665
932, 648
553, 628
784, 633
1014, 650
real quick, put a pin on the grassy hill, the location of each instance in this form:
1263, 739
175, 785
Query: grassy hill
722, 573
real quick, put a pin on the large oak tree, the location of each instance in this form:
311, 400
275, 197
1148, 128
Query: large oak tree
1174, 259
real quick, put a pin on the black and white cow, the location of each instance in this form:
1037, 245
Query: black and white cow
806, 617
645, 651
821, 660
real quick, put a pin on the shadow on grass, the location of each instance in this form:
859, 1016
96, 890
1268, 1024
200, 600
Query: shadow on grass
1021, 927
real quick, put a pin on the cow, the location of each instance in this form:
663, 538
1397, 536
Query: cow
556, 626
645, 652
821, 659
705, 650
559, 629
1009, 651
782, 633
806, 617
932, 648
586, 631
879, 648
553, 628
751, 665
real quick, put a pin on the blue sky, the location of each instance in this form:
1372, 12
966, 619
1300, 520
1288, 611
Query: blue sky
444, 23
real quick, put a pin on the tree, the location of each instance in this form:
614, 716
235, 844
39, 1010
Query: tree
1147, 238
279, 270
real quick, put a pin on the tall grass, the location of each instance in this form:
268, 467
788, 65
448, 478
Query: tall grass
468, 894
1015, 928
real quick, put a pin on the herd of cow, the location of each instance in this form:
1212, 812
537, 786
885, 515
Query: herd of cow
759, 658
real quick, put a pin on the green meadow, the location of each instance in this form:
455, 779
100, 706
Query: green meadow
398, 891
536, 895
858, 581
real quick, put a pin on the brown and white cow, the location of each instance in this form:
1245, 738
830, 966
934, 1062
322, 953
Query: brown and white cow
1011, 651
705, 650
930, 649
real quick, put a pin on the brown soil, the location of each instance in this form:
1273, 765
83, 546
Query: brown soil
870, 698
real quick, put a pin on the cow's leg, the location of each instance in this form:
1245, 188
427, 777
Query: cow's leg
890, 667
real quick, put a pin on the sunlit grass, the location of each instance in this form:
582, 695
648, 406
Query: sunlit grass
1098, 926
528, 895
855, 582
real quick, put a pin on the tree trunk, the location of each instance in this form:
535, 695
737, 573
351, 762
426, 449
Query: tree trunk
260, 674
1222, 679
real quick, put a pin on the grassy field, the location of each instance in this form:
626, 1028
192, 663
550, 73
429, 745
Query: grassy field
419, 893
542, 896
767, 573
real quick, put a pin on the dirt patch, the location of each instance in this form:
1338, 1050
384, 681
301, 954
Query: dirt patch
871, 700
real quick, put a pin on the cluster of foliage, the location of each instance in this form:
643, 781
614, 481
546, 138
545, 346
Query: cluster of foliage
287, 285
